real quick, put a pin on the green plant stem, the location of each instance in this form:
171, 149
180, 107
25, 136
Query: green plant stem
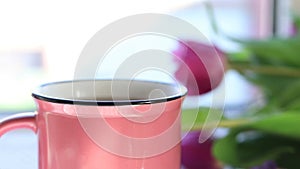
265, 69
224, 124
212, 17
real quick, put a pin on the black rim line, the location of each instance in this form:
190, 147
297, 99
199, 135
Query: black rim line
104, 103
101, 102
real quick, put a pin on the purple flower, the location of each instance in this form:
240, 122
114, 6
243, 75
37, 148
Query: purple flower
266, 165
200, 66
195, 155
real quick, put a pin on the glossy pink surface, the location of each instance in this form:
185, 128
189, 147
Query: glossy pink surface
66, 143
146, 136
22, 120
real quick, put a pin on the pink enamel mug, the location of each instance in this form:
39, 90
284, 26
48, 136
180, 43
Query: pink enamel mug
105, 124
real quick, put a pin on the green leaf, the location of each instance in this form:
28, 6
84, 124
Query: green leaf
194, 119
226, 150
191, 116
275, 51
290, 160
270, 84
250, 148
296, 21
290, 95
272, 133
239, 57
267, 137
293, 105
282, 124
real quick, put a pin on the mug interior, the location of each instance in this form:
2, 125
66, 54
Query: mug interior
109, 92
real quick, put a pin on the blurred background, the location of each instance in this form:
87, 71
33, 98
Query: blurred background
40, 42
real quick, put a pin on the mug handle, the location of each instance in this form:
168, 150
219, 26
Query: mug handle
20, 120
